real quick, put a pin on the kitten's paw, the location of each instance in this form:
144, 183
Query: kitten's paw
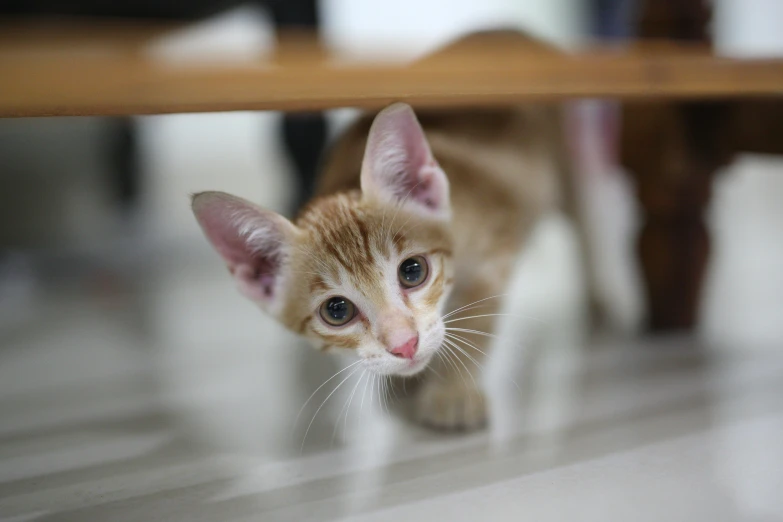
451, 406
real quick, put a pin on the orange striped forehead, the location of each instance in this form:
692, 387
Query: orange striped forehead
344, 235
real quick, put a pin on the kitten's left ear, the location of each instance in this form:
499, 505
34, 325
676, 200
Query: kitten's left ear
399, 167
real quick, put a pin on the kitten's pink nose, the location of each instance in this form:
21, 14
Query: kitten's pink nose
408, 349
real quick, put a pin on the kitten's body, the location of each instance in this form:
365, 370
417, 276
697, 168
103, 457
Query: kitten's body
506, 168
461, 206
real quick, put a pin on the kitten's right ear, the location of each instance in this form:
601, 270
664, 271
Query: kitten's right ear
254, 243
398, 165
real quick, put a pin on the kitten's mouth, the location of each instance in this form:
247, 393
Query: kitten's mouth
414, 366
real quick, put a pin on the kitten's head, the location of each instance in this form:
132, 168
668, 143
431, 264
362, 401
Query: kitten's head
367, 271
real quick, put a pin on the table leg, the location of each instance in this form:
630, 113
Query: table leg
672, 150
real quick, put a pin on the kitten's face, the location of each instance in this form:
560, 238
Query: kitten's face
372, 279
367, 271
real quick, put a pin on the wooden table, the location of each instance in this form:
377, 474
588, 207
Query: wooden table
79, 69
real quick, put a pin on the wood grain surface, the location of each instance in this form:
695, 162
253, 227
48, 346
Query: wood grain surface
107, 69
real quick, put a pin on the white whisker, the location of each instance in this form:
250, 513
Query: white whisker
471, 345
378, 383
337, 421
474, 307
471, 304
364, 394
490, 315
372, 388
385, 394
470, 374
347, 408
446, 357
322, 405
316, 391
393, 390
467, 330
433, 370
463, 364
466, 341
466, 354
452, 355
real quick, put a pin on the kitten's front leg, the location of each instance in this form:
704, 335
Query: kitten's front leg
452, 397
451, 405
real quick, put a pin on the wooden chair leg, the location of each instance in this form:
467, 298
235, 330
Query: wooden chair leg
673, 251
673, 150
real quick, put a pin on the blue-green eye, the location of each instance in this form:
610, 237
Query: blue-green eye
413, 272
337, 311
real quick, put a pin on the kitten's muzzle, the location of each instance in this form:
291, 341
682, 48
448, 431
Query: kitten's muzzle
398, 333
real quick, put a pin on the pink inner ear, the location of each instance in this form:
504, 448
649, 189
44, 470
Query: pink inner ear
398, 162
247, 240
258, 276
425, 189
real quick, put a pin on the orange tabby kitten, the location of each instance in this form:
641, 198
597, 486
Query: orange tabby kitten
412, 213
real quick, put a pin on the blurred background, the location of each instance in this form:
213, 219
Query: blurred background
133, 377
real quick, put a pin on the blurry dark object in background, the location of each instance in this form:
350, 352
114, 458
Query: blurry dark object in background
147, 9
685, 20
304, 135
673, 149
125, 161
613, 19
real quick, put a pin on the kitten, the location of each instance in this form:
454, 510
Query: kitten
412, 214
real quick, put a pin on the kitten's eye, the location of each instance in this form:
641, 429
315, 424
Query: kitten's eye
413, 272
337, 311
